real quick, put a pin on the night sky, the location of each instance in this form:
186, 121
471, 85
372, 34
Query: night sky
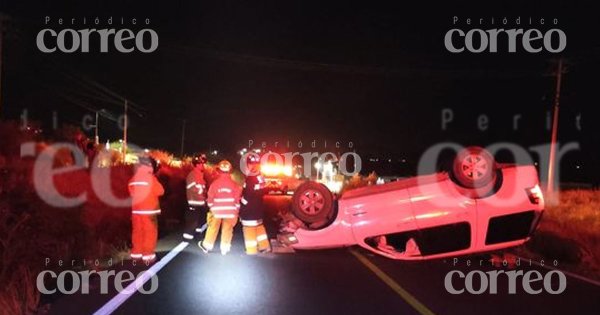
371, 73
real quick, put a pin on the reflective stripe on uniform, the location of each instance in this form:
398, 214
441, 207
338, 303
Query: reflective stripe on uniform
196, 202
188, 236
217, 208
146, 211
136, 255
224, 216
224, 200
192, 184
139, 184
149, 257
261, 237
251, 222
251, 243
257, 187
224, 190
244, 201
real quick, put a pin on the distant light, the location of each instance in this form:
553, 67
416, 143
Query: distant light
176, 163
578, 167
257, 150
389, 160
287, 170
536, 163
403, 160
146, 150
270, 169
215, 152
131, 158
120, 140
333, 185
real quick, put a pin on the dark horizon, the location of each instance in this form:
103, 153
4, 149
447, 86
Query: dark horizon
378, 76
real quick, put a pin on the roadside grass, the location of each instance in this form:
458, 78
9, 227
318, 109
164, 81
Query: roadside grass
32, 230
569, 232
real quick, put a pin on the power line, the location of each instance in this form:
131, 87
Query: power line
97, 90
411, 71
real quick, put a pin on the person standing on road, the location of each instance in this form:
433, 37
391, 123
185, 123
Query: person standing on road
145, 190
252, 210
195, 216
224, 203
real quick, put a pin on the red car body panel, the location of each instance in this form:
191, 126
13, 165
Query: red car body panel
424, 203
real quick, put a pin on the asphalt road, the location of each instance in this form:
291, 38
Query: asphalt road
339, 281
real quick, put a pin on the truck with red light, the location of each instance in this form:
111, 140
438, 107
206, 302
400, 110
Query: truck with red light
478, 205
284, 179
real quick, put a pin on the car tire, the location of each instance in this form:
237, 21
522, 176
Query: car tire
312, 202
474, 168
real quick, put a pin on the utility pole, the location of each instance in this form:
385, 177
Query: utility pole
1, 40
125, 123
96, 138
182, 139
553, 141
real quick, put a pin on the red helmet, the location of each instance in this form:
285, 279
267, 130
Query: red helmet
224, 166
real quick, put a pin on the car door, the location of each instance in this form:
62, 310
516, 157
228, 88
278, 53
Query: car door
380, 214
446, 219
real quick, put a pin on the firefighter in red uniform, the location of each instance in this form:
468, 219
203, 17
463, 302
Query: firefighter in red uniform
195, 216
224, 203
145, 190
252, 210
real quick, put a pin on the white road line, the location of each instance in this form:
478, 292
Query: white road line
120, 298
570, 274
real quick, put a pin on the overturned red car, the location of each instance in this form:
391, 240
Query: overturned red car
477, 205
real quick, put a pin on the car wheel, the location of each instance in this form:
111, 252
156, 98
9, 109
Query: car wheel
312, 202
474, 167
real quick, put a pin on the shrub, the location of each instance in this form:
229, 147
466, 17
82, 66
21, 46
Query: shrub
358, 181
32, 230
569, 231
